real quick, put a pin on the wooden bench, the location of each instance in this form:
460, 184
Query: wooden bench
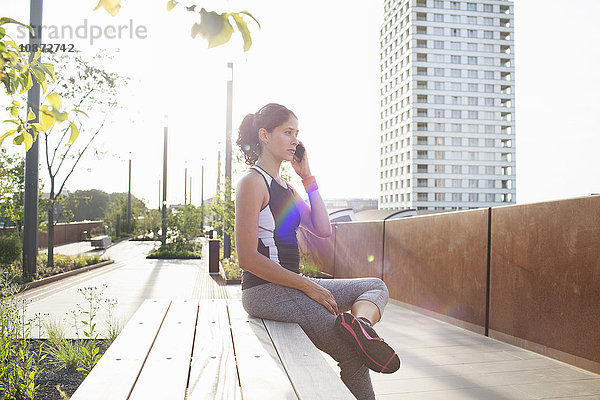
210, 349
100, 241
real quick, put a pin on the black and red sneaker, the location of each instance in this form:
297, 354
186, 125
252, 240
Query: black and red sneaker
376, 353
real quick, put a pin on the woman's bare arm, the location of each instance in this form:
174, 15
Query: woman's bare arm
314, 217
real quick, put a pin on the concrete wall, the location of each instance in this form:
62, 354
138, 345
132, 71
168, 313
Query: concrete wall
525, 274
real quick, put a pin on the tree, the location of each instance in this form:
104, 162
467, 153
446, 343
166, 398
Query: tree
84, 86
223, 211
118, 206
12, 188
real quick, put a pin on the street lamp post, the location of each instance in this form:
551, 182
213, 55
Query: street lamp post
129, 199
164, 199
185, 185
30, 209
202, 198
226, 238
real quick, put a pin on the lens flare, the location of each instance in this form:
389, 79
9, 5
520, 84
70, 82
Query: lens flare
370, 258
246, 147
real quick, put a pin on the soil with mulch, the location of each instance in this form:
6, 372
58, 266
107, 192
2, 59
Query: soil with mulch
52, 373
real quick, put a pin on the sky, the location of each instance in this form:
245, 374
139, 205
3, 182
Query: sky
321, 60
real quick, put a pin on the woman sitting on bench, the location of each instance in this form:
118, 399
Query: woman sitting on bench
268, 212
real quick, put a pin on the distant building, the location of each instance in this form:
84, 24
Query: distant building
447, 133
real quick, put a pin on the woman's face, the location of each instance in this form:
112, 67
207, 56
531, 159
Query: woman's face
282, 140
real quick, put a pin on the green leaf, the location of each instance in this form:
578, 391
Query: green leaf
31, 115
14, 111
38, 126
111, 6
47, 119
6, 20
74, 134
49, 69
215, 28
170, 5
18, 139
16, 103
251, 16
81, 111
60, 116
243, 28
28, 139
6, 134
28, 82
54, 101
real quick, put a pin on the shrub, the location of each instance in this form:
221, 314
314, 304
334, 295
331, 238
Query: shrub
10, 249
308, 266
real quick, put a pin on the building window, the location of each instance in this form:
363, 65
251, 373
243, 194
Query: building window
488, 74
438, 44
489, 88
471, 33
440, 155
455, 73
489, 101
438, 4
455, 45
421, 112
438, 31
488, 34
490, 129
472, 46
438, 127
421, 30
456, 114
472, 197
472, 73
471, 7
472, 20
421, 126
438, 85
489, 170
421, 182
488, 21
490, 184
473, 115
421, 71
421, 57
489, 48
421, 98
472, 87
473, 183
422, 44
488, 8
439, 113
438, 71
454, 32
488, 61
438, 99
456, 197
438, 17
472, 60
439, 197
439, 169
455, 100
456, 141
439, 58
421, 168
421, 196
457, 169
422, 154
455, 59
438, 183
455, 86
456, 127
454, 5
473, 169
473, 142
473, 101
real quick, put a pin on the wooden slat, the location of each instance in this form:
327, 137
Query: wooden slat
213, 373
309, 372
166, 370
120, 365
261, 373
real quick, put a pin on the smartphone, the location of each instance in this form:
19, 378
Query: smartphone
299, 152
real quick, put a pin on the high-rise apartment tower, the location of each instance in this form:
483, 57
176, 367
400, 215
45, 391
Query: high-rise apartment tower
447, 104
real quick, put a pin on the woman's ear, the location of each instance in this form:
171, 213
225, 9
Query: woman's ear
263, 136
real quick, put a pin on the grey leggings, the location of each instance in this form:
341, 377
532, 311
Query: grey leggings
285, 304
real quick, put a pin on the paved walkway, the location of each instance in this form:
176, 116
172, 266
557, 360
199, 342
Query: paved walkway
439, 360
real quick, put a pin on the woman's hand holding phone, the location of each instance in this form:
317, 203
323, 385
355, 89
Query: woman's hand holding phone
300, 161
